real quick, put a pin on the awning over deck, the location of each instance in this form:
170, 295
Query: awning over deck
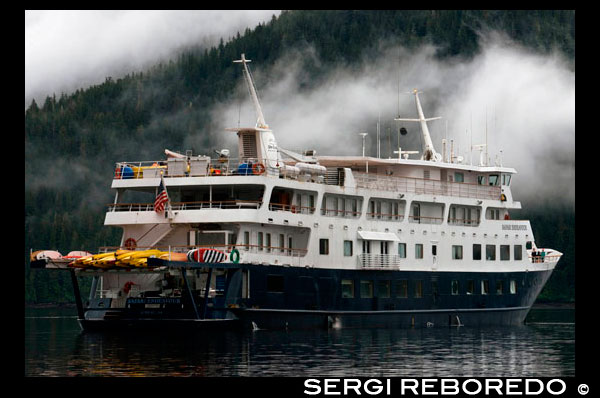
384, 236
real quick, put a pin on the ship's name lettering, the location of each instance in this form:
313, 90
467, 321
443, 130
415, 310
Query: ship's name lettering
514, 227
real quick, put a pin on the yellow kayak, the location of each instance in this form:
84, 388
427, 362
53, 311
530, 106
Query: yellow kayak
137, 258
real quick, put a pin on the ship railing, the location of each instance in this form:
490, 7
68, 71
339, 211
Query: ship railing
425, 186
176, 206
291, 208
263, 249
424, 220
201, 167
340, 213
544, 256
466, 222
385, 216
388, 261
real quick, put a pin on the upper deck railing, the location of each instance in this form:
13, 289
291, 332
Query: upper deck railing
198, 167
425, 186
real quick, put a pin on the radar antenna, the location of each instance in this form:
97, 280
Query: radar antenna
429, 152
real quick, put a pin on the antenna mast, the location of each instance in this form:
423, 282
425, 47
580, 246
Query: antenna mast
252, 89
429, 152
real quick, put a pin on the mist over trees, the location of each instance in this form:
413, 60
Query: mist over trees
72, 140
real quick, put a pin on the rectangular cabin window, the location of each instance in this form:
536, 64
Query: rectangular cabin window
470, 286
506, 179
347, 288
504, 252
490, 252
383, 289
348, 248
290, 246
518, 252
246, 240
259, 242
419, 250
383, 247
427, 174
476, 251
499, 287
323, 246
454, 287
418, 289
485, 287
281, 243
513, 286
459, 177
268, 241
402, 250
480, 180
354, 208
275, 284
366, 289
493, 180
366, 246
402, 288
457, 252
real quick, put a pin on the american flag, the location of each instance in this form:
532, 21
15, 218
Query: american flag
161, 198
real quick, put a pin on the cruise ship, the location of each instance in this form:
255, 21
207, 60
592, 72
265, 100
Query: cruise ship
275, 239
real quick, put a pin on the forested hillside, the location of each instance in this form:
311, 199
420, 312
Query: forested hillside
72, 140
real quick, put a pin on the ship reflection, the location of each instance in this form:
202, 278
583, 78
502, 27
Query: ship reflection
527, 351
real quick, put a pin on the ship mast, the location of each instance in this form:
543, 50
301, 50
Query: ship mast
429, 152
260, 122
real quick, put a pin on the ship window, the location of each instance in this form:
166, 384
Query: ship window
402, 288
418, 289
504, 252
434, 250
454, 287
506, 179
366, 246
419, 250
290, 246
259, 243
383, 247
490, 252
383, 289
268, 241
323, 246
347, 248
457, 252
275, 283
513, 286
481, 180
347, 288
529, 245
518, 252
366, 289
485, 287
476, 251
499, 287
493, 179
402, 250
246, 240
459, 177
470, 286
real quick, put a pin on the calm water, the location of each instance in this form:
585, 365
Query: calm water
55, 346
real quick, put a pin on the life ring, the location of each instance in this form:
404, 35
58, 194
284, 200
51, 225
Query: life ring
130, 243
235, 256
258, 168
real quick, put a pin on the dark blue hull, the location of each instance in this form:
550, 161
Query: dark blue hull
293, 297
